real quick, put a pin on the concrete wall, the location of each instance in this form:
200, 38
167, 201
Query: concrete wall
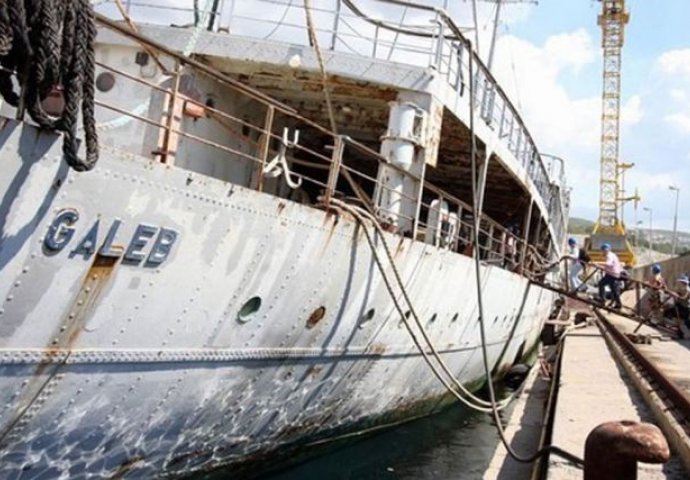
671, 269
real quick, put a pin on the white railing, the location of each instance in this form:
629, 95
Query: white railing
411, 33
332, 170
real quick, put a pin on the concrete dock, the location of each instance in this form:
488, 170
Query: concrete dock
595, 385
523, 426
595, 389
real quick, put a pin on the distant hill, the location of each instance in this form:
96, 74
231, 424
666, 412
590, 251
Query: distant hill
661, 239
579, 226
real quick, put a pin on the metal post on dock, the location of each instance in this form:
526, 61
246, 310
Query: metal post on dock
613, 449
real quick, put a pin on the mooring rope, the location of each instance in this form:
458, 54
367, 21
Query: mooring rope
493, 405
456, 388
48, 45
314, 41
575, 460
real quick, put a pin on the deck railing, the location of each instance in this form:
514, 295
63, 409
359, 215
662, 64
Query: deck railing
442, 219
424, 36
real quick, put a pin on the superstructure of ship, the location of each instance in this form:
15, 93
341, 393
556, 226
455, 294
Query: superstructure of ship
219, 290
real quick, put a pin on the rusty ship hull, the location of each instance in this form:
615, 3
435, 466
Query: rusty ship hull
108, 362
201, 299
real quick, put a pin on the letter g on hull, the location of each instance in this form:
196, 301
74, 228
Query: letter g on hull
61, 230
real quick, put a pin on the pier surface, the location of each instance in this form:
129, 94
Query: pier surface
523, 427
595, 388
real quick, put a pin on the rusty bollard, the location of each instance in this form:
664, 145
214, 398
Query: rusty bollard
613, 449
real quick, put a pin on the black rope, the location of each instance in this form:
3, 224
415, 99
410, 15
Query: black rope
48, 45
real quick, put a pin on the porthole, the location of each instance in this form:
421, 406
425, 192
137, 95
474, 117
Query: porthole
367, 317
433, 318
105, 81
316, 317
249, 309
455, 317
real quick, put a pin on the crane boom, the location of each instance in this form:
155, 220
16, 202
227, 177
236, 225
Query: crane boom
609, 227
612, 20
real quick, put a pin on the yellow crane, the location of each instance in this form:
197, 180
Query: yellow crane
610, 227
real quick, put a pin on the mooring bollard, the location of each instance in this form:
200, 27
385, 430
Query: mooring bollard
613, 449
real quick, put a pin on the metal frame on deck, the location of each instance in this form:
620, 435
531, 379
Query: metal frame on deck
524, 258
439, 44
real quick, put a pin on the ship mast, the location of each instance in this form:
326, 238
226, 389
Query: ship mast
496, 22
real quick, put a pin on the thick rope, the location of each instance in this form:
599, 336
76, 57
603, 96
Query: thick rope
456, 388
575, 460
314, 41
473, 402
49, 45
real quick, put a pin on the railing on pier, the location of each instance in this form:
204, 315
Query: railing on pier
425, 36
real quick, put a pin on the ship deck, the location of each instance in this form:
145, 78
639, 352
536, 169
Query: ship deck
364, 76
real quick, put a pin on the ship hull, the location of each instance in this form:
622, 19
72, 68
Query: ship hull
159, 322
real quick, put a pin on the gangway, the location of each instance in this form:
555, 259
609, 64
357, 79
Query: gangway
600, 305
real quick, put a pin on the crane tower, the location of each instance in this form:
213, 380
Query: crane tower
609, 227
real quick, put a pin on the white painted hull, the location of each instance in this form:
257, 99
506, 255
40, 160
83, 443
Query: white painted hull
152, 372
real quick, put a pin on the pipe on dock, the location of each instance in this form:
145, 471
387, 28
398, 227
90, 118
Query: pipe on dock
613, 449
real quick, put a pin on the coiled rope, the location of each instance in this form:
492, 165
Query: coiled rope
48, 45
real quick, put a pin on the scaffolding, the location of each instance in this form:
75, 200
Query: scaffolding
610, 227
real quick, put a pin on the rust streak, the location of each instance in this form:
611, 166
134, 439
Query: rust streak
126, 466
93, 284
66, 334
399, 247
377, 348
331, 230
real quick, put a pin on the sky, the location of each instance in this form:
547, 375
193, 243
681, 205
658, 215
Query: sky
549, 61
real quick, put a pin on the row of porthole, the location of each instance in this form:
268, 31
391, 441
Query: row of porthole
252, 306
431, 320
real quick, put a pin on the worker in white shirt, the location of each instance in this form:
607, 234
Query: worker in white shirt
574, 265
612, 272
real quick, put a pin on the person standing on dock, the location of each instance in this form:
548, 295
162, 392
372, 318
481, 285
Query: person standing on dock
574, 265
655, 298
679, 309
612, 272
657, 282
